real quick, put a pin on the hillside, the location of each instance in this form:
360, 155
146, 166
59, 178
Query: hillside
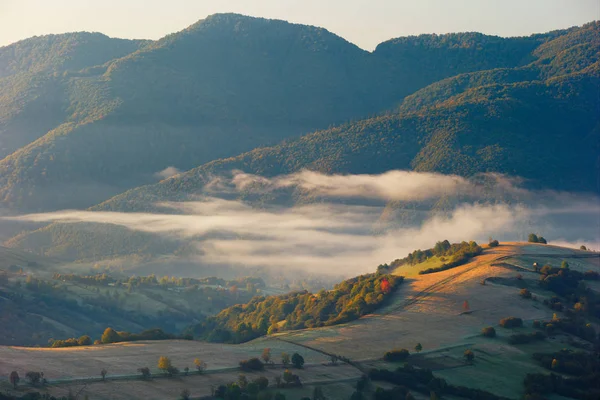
225, 85
34, 94
445, 312
510, 121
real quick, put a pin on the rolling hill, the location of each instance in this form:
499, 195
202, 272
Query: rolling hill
110, 115
429, 309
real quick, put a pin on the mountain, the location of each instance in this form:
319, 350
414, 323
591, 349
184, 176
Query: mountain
225, 85
539, 122
33, 96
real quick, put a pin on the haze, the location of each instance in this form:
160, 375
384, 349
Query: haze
365, 23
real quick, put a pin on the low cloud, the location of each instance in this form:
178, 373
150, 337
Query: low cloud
167, 173
346, 239
391, 185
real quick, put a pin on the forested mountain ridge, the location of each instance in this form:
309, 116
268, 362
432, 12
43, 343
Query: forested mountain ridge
537, 121
33, 88
436, 129
225, 85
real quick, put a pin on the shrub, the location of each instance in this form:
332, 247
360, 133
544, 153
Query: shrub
297, 360
396, 355
469, 355
145, 371
34, 377
488, 332
525, 293
511, 322
253, 364
494, 243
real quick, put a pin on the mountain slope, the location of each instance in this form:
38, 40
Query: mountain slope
33, 96
223, 86
511, 121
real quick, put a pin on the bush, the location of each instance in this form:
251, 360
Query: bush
396, 355
525, 293
488, 332
253, 364
297, 360
469, 355
511, 322
494, 243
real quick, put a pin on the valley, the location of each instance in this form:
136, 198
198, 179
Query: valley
429, 309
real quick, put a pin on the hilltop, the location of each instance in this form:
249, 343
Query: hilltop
119, 113
444, 312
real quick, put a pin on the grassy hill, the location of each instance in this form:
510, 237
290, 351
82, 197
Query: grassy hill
428, 309
110, 118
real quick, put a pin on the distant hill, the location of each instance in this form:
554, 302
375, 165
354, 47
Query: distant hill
100, 116
539, 122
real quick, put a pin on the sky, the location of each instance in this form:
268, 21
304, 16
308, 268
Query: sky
362, 22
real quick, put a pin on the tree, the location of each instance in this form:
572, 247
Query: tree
145, 371
242, 381
266, 355
582, 247
200, 365
164, 364
186, 371
334, 359
489, 332
469, 355
525, 293
288, 376
297, 360
84, 340
542, 240
110, 336
532, 238
285, 359
14, 378
418, 347
103, 373
34, 377
262, 382
185, 394
494, 243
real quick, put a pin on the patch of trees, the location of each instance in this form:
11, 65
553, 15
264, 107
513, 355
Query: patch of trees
347, 301
112, 336
396, 355
511, 322
582, 388
423, 381
577, 327
522, 338
570, 362
462, 254
458, 253
255, 389
533, 238
570, 285
84, 340
494, 243
252, 364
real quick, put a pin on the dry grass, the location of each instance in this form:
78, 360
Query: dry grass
426, 309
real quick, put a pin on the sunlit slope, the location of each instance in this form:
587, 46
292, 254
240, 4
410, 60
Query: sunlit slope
430, 309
